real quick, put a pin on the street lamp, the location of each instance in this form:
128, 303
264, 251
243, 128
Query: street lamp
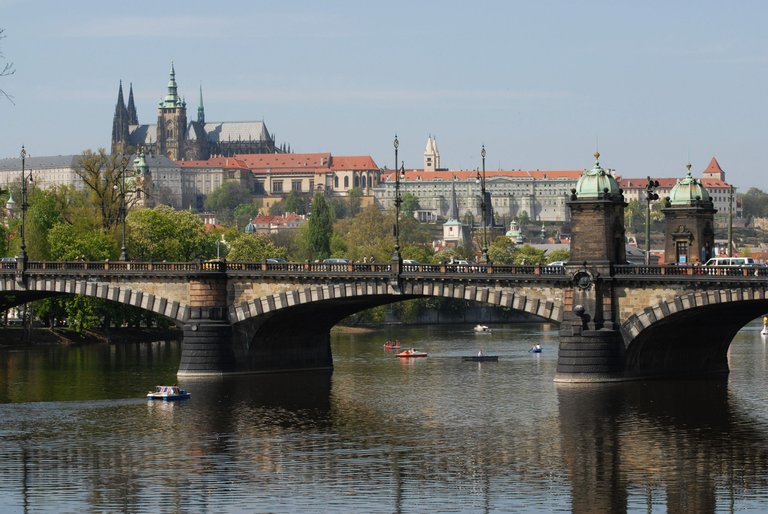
730, 222
480, 179
650, 196
24, 205
398, 201
122, 211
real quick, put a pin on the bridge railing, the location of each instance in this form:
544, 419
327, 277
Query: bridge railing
263, 267
676, 270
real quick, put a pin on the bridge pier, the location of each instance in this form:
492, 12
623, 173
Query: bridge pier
206, 348
588, 354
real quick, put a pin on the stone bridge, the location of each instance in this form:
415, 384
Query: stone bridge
617, 322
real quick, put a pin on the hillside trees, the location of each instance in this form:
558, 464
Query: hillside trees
320, 228
100, 173
163, 234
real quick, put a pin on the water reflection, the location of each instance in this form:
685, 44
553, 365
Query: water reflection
380, 434
674, 445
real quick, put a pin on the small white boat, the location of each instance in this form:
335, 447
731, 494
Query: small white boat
482, 328
168, 393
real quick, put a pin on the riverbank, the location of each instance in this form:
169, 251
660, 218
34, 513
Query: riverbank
18, 336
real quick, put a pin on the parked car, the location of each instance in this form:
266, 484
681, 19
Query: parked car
410, 261
337, 260
275, 259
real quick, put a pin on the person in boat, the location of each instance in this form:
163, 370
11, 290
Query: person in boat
480, 353
537, 347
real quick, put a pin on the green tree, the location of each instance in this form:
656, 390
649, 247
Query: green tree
367, 235
320, 228
165, 234
354, 201
100, 173
253, 248
561, 254
754, 203
225, 199
295, 202
528, 255
410, 204
523, 219
67, 243
502, 251
244, 213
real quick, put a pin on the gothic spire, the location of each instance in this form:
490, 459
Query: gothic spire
120, 123
200, 108
132, 117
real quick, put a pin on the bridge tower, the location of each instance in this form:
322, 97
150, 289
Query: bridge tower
591, 345
690, 218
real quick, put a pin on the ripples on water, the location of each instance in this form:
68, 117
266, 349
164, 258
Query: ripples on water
380, 434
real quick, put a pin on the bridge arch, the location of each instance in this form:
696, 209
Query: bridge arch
291, 328
690, 333
126, 294
359, 296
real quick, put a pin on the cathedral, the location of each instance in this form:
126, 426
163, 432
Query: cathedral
177, 138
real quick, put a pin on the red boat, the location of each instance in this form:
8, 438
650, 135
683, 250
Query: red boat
412, 353
391, 344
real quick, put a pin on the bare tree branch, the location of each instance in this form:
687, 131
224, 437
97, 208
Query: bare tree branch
7, 69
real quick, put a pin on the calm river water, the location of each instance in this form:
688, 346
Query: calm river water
380, 434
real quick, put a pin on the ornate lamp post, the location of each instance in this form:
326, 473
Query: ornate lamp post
730, 222
650, 196
120, 186
24, 205
481, 180
398, 201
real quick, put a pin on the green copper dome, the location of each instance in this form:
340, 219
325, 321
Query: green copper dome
596, 183
140, 164
688, 191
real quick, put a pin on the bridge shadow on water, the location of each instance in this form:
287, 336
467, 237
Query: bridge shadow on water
677, 443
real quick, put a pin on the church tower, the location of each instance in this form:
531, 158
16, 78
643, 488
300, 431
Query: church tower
431, 155
120, 123
172, 122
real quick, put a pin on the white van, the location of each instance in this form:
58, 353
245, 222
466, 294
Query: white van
730, 261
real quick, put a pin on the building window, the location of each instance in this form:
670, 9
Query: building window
335, 182
346, 182
296, 186
277, 186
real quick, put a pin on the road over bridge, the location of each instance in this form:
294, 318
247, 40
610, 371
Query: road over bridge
617, 322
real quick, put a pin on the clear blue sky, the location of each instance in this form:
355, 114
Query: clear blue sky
654, 83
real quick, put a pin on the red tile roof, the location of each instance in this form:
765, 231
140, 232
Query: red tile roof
285, 160
714, 167
214, 162
360, 162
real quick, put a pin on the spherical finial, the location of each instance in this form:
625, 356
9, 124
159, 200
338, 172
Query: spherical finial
597, 155
688, 167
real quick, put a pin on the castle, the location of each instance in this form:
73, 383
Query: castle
175, 137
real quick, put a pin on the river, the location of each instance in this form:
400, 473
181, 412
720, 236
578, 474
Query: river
380, 434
